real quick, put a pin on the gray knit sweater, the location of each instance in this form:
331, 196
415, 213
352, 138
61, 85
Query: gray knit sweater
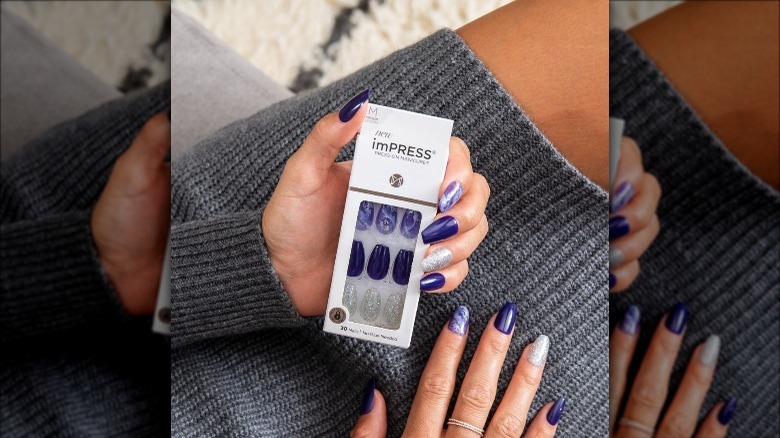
718, 249
244, 363
72, 363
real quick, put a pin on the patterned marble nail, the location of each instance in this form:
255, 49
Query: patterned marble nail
410, 224
708, 355
372, 302
451, 195
386, 218
365, 215
459, 322
378, 262
349, 299
630, 322
621, 196
538, 354
393, 311
402, 267
615, 257
438, 259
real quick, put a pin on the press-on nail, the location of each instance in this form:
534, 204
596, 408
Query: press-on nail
727, 411
451, 195
505, 320
386, 218
538, 354
378, 262
438, 259
357, 259
402, 267
459, 322
410, 224
612, 280
367, 404
351, 108
393, 309
676, 320
369, 308
349, 299
365, 215
630, 322
556, 411
618, 227
709, 351
431, 282
440, 229
621, 196
615, 257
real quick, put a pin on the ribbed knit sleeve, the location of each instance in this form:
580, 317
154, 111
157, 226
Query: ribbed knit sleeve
51, 278
222, 281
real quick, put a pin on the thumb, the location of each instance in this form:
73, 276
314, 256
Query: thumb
373, 414
153, 143
331, 133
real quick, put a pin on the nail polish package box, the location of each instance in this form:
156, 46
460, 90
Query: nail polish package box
398, 168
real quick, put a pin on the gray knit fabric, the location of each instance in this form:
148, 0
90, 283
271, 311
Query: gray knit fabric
718, 248
244, 363
73, 363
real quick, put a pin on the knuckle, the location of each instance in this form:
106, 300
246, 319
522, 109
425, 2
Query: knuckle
647, 395
527, 382
436, 386
469, 218
678, 424
508, 425
477, 396
701, 376
666, 345
495, 345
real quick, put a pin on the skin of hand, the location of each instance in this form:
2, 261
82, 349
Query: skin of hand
302, 220
633, 223
649, 389
131, 218
477, 393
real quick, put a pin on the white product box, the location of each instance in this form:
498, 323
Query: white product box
399, 163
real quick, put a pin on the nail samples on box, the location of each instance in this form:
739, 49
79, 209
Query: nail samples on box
380, 264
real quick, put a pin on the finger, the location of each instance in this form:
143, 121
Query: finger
479, 385
649, 389
464, 216
631, 247
629, 172
372, 422
715, 424
621, 278
622, 344
438, 379
509, 419
330, 134
546, 421
455, 250
638, 213
682, 415
152, 144
445, 280
457, 176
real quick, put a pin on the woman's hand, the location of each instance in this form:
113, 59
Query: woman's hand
649, 389
633, 224
476, 395
302, 220
131, 218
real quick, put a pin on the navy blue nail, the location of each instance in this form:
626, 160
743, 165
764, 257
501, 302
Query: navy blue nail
357, 258
612, 280
410, 224
505, 320
433, 281
402, 267
378, 262
621, 196
365, 215
451, 195
368, 397
618, 227
727, 411
556, 411
440, 229
676, 320
459, 322
386, 218
630, 322
351, 108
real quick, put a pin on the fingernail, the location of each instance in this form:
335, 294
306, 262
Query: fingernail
615, 257
402, 267
386, 218
393, 309
630, 323
438, 259
365, 215
556, 411
612, 280
369, 308
459, 322
440, 229
433, 281
451, 195
727, 411
351, 108
378, 262
621, 196
618, 227
368, 397
538, 354
505, 320
675, 322
349, 300
357, 258
709, 352
410, 224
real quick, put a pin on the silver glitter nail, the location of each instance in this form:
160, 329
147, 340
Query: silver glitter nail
371, 305
393, 310
539, 349
437, 260
615, 257
349, 299
709, 352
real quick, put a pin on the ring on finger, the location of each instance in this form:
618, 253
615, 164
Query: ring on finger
463, 424
636, 425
